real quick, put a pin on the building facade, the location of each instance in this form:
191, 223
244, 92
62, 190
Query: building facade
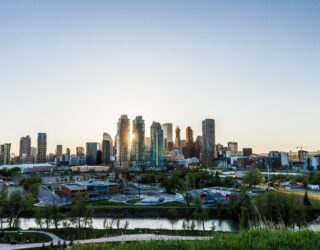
123, 140
157, 145
208, 139
42, 148
107, 148
5, 150
92, 153
138, 141
168, 136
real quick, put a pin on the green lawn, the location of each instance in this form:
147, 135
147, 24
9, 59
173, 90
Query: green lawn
23, 237
254, 240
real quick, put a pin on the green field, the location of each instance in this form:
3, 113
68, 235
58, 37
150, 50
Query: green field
25, 237
283, 239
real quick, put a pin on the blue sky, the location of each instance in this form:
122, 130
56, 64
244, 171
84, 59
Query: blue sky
71, 68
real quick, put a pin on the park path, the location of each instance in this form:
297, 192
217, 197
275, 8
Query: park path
113, 239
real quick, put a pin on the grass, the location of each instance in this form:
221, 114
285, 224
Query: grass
24, 237
134, 201
90, 233
314, 198
257, 239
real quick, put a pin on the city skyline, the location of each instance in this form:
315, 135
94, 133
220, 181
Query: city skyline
70, 69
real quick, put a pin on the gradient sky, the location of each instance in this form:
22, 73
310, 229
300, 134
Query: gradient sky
71, 68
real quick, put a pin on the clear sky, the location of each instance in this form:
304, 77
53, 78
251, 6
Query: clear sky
71, 68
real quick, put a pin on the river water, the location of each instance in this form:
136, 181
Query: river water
148, 223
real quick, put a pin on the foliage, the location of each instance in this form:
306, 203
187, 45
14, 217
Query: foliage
279, 208
253, 177
31, 184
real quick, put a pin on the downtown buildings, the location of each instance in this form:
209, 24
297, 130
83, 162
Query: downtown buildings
157, 145
42, 148
123, 141
208, 140
138, 141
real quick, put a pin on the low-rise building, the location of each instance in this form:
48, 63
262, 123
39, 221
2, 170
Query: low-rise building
91, 190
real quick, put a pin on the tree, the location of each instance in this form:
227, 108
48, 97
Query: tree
188, 198
279, 208
3, 206
80, 214
253, 177
201, 214
306, 200
173, 216
55, 215
17, 203
171, 184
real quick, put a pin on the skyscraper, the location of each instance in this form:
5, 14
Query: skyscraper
123, 136
138, 143
25, 147
68, 152
42, 148
157, 145
5, 153
233, 147
59, 150
107, 148
168, 136
80, 151
91, 153
189, 135
208, 137
177, 143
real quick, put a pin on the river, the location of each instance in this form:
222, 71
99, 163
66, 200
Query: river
149, 223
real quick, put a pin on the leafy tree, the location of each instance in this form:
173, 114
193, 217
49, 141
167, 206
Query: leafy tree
253, 177
80, 214
173, 216
17, 203
279, 208
201, 214
4, 205
306, 200
171, 184
55, 215
188, 198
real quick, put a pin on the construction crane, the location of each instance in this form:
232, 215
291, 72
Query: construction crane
302, 147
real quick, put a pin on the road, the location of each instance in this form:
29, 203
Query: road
114, 239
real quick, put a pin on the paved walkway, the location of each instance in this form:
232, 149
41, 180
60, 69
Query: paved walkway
122, 238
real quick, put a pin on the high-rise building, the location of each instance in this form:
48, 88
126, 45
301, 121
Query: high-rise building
42, 148
157, 145
208, 137
5, 153
80, 151
68, 152
59, 150
107, 149
198, 146
91, 152
247, 151
147, 143
233, 147
302, 155
123, 136
138, 143
25, 146
189, 135
177, 143
168, 136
